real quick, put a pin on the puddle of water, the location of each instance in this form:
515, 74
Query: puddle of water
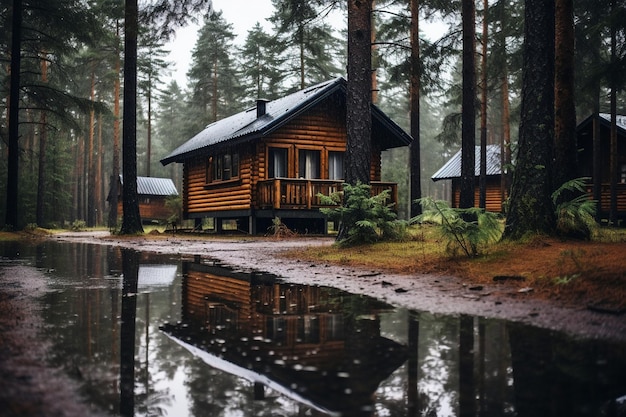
149, 335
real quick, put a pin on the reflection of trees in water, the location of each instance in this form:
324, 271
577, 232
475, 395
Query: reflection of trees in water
556, 375
130, 267
83, 308
437, 358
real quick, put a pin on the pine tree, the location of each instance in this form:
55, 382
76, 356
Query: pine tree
308, 42
213, 77
261, 66
531, 208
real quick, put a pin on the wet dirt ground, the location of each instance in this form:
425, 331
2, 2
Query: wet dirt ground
30, 388
426, 292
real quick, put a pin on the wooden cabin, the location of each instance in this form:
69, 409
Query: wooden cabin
304, 342
585, 137
495, 193
272, 160
585, 133
153, 193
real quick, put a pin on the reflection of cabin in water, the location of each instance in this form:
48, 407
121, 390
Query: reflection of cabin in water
152, 193
274, 159
496, 194
301, 341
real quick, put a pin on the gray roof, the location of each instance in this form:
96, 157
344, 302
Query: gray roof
620, 120
154, 186
452, 168
246, 125
604, 119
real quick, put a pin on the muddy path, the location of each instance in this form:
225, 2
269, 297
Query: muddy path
423, 292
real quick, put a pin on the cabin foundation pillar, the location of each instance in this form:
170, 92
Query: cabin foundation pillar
252, 225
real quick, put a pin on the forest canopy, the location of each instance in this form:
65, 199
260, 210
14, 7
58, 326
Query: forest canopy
71, 71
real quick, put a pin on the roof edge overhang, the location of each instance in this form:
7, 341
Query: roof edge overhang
338, 84
333, 86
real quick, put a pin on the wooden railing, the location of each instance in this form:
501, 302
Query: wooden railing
605, 199
294, 193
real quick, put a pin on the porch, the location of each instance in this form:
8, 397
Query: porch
302, 194
605, 200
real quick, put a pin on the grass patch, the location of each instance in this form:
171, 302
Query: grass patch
574, 271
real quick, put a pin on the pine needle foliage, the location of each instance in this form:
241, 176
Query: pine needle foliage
465, 230
575, 216
368, 218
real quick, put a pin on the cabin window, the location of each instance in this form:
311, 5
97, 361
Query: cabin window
308, 164
277, 163
622, 173
225, 166
335, 165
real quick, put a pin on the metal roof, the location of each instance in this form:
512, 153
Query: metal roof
620, 120
604, 119
247, 126
452, 168
154, 186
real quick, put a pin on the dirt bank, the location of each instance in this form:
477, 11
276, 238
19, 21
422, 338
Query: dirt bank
437, 293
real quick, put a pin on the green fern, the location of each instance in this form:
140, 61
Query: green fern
463, 229
576, 214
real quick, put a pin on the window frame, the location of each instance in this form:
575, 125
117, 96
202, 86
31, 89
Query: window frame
270, 149
217, 167
301, 151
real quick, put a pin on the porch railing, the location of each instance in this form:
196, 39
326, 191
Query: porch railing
297, 193
605, 199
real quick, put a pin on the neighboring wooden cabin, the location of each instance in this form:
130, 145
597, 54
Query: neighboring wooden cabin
273, 160
585, 132
152, 193
495, 194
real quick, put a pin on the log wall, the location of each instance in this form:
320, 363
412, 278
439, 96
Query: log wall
494, 196
322, 128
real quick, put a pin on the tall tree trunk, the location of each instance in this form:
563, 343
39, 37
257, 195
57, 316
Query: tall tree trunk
131, 222
358, 156
505, 141
98, 184
91, 160
565, 146
375, 60
115, 169
215, 92
505, 144
613, 168
149, 145
301, 42
11, 219
468, 117
415, 154
43, 139
482, 199
531, 208
359, 93
79, 175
